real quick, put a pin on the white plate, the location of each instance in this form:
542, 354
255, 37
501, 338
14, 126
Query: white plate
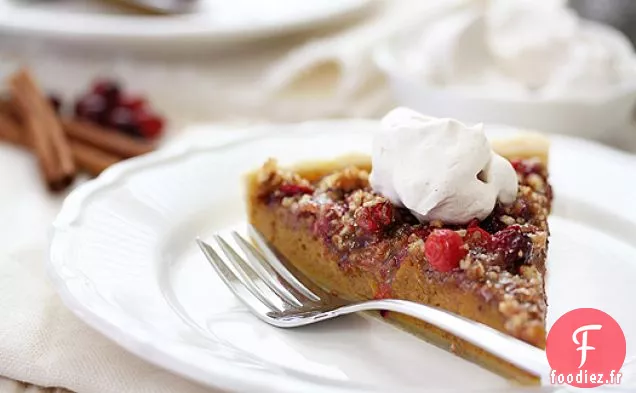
124, 260
212, 20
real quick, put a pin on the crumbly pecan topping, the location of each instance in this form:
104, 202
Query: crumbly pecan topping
504, 253
346, 180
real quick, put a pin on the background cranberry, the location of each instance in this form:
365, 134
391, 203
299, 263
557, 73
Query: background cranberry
109, 89
134, 103
124, 119
150, 124
92, 108
108, 106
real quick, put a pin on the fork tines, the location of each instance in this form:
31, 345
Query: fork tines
257, 277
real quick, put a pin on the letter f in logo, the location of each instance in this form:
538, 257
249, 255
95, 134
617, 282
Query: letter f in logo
584, 347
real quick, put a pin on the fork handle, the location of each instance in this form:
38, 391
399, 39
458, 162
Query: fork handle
510, 349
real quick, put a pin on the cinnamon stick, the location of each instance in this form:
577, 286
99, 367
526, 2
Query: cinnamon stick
8, 106
44, 131
111, 141
10, 130
89, 158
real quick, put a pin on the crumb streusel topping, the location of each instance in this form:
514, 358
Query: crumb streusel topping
501, 258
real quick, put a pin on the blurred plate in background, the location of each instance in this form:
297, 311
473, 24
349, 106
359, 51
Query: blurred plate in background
210, 21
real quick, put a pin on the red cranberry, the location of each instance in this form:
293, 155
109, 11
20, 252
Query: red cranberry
526, 167
93, 108
475, 236
376, 217
109, 89
150, 125
123, 119
512, 245
295, 189
444, 249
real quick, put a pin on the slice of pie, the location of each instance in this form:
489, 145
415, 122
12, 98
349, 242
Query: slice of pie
324, 218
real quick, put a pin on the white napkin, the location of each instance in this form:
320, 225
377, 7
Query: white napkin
41, 342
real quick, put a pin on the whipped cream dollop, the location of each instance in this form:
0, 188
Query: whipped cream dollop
522, 48
440, 169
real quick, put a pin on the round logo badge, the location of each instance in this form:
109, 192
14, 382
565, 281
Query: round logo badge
586, 348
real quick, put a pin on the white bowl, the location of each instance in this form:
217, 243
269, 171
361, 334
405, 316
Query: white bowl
588, 117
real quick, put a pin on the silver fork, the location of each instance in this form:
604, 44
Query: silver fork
276, 296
